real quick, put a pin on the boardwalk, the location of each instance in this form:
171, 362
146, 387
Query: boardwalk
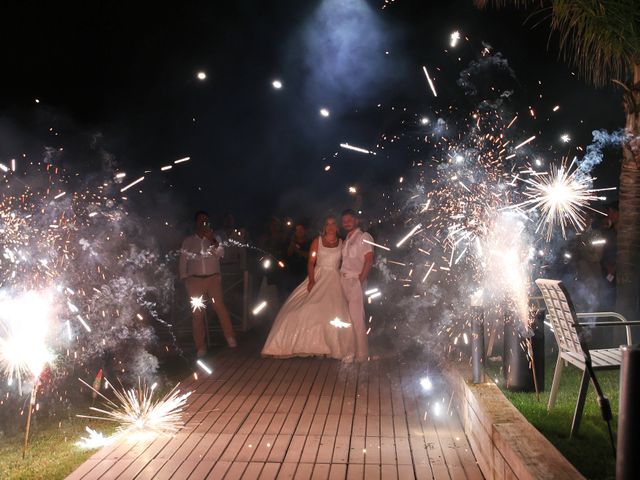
259, 418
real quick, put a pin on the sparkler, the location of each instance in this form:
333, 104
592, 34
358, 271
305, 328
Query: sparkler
139, 414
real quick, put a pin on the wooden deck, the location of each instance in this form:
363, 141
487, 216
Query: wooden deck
302, 418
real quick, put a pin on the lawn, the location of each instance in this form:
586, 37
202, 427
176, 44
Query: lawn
590, 452
51, 454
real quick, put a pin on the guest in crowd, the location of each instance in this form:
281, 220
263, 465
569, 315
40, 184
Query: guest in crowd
200, 270
297, 256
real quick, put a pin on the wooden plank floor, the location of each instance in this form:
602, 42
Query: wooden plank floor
302, 418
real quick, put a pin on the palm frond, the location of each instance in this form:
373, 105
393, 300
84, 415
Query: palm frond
601, 38
504, 3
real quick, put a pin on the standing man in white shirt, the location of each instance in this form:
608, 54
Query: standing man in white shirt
200, 269
357, 259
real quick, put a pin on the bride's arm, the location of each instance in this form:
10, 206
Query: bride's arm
311, 263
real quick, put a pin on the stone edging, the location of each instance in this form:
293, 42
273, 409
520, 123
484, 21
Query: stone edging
504, 443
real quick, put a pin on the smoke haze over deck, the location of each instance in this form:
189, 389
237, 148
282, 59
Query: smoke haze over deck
128, 75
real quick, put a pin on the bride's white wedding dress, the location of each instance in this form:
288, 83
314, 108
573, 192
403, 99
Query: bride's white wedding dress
304, 325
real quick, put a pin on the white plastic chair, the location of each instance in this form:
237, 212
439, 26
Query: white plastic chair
572, 348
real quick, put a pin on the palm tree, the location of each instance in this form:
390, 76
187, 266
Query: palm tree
601, 38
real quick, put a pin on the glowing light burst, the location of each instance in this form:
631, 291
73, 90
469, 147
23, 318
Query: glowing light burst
336, 322
562, 197
95, 440
24, 322
197, 303
454, 37
141, 416
426, 384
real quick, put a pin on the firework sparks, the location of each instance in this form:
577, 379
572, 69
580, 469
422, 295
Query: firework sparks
409, 235
135, 182
562, 196
204, 367
376, 245
261, 306
431, 85
336, 322
197, 303
356, 149
95, 440
84, 323
139, 415
425, 383
530, 139
23, 342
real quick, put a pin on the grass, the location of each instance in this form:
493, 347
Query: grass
52, 453
590, 452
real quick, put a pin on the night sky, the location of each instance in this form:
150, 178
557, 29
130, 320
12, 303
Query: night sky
119, 79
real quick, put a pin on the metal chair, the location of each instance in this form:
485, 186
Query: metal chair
572, 347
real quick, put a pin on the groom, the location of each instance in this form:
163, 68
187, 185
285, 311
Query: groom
357, 258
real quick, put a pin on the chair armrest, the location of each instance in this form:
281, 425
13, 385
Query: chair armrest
620, 321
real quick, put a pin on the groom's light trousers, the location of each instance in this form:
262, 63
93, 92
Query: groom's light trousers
353, 292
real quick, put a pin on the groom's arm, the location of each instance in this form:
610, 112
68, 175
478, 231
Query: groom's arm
367, 251
368, 262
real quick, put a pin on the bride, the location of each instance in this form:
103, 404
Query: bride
315, 318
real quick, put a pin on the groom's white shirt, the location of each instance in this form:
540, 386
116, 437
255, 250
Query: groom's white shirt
354, 250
